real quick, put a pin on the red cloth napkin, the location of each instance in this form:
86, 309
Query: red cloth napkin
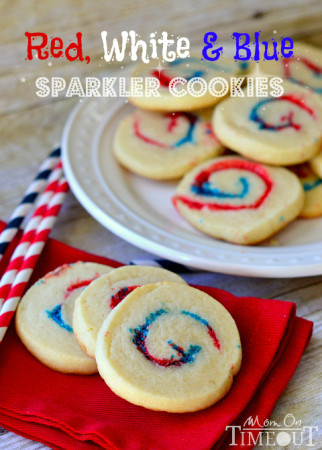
72, 411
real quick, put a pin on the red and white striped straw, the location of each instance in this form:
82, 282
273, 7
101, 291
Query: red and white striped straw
29, 233
31, 257
33, 191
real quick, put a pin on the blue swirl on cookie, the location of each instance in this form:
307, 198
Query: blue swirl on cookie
140, 335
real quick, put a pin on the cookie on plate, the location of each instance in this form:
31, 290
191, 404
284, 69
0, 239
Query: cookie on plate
273, 130
187, 68
97, 300
316, 164
303, 69
312, 186
238, 200
164, 146
44, 317
169, 347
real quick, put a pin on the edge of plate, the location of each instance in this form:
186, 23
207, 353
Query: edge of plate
227, 267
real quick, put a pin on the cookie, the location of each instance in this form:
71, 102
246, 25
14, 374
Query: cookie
44, 317
303, 69
316, 164
273, 130
238, 200
312, 186
97, 301
164, 146
169, 347
187, 68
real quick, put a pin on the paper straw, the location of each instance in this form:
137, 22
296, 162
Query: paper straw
29, 198
17, 257
31, 257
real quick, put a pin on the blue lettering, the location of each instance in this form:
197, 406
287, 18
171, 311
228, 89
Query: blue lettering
210, 39
242, 46
287, 50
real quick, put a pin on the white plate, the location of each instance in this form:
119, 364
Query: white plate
140, 210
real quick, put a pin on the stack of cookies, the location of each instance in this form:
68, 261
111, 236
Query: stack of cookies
156, 341
249, 166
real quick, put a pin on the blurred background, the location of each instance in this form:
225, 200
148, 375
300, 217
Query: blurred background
299, 19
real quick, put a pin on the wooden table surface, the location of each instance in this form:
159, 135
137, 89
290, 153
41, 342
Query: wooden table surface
30, 127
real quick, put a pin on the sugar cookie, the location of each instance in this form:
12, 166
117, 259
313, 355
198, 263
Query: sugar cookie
169, 347
312, 186
164, 146
97, 300
44, 317
274, 130
188, 68
303, 69
238, 200
316, 164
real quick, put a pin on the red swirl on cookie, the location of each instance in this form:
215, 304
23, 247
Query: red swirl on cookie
121, 294
293, 75
234, 198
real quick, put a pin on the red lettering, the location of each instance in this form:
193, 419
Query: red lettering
73, 52
77, 47
32, 46
56, 50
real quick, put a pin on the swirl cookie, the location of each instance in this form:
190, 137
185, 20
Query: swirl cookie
169, 347
274, 130
97, 300
303, 69
188, 68
316, 164
238, 200
44, 317
164, 146
312, 186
